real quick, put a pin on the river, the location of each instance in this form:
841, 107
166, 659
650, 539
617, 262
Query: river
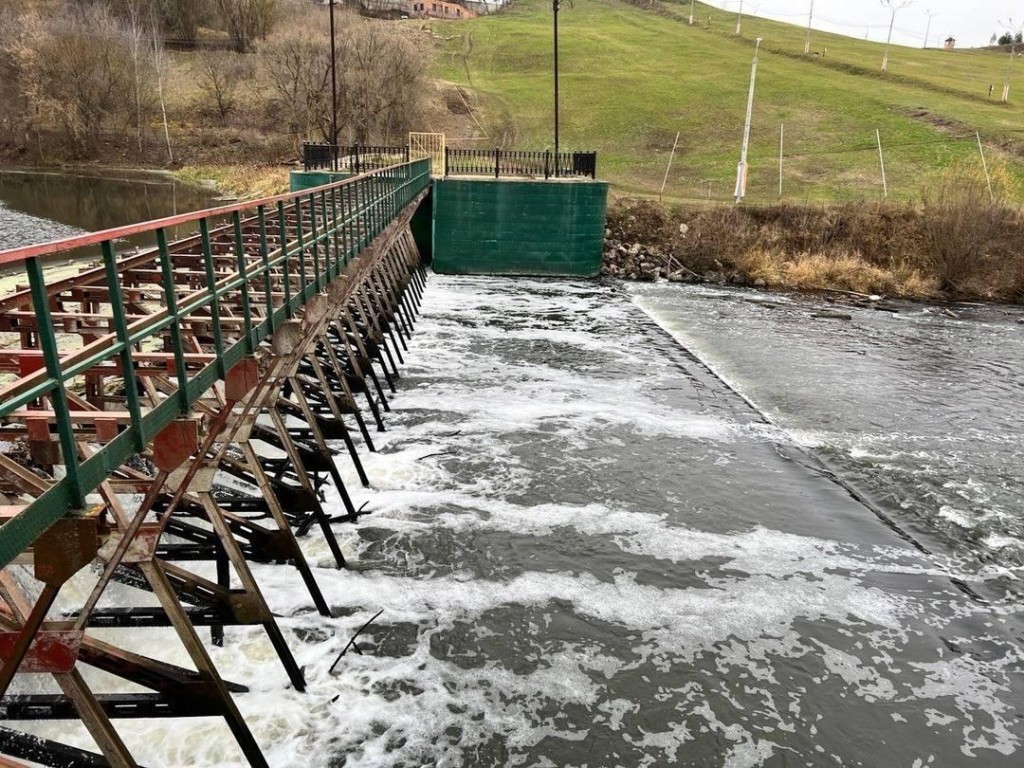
37, 206
657, 525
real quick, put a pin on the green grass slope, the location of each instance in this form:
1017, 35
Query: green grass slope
631, 77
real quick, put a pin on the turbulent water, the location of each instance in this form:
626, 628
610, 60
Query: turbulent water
922, 408
591, 551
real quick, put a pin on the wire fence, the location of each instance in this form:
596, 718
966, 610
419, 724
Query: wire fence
876, 166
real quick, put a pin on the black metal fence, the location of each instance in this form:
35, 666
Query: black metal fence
539, 164
357, 158
520, 163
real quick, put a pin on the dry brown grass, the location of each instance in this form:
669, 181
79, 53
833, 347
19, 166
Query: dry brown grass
956, 245
241, 181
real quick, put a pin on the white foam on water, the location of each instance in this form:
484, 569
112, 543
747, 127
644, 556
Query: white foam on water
753, 592
985, 719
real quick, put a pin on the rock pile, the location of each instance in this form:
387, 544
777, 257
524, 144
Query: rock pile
639, 261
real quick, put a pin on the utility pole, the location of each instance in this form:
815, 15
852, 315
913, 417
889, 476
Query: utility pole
810, 18
741, 169
928, 29
739, 18
892, 5
334, 94
691, 12
1009, 66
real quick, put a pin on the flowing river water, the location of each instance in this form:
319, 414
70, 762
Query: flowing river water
660, 526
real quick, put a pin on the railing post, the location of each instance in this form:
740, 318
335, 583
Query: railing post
250, 344
447, 155
58, 396
497, 162
283, 226
261, 213
170, 296
211, 284
547, 163
315, 242
302, 249
131, 384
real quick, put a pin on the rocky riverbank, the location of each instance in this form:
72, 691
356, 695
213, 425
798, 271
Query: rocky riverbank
946, 249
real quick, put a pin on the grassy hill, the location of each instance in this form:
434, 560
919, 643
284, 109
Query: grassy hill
634, 75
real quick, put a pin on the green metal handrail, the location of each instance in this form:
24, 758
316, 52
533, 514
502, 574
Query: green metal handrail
320, 231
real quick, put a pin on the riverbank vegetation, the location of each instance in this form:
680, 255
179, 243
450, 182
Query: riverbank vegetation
955, 244
183, 83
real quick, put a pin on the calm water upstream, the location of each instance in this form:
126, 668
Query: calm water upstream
36, 207
592, 551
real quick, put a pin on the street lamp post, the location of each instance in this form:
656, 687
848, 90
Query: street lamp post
893, 6
555, 5
334, 94
741, 169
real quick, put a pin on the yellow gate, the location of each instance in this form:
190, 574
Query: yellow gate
428, 145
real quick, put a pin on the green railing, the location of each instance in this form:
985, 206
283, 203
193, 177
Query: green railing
247, 269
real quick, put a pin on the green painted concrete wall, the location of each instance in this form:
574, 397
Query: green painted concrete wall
422, 227
299, 180
512, 227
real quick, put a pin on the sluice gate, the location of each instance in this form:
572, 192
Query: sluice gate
169, 416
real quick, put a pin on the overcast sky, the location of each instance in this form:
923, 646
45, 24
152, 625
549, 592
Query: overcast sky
971, 22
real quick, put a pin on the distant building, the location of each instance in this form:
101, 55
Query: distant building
437, 9
950, 43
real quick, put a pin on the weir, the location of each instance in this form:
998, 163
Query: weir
168, 417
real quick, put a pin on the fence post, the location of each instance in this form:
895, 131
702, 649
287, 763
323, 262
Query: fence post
447, 153
497, 162
547, 163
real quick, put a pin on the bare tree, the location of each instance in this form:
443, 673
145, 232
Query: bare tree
218, 76
380, 79
159, 60
135, 31
380, 90
183, 17
247, 20
297, 67
74, 71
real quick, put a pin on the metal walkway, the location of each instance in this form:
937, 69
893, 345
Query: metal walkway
183, 404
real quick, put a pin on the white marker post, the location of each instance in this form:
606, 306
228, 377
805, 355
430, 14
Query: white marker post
984, 164
669, 167
782, 135
881, 162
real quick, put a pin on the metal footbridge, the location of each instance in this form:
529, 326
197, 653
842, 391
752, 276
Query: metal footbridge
171, 414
